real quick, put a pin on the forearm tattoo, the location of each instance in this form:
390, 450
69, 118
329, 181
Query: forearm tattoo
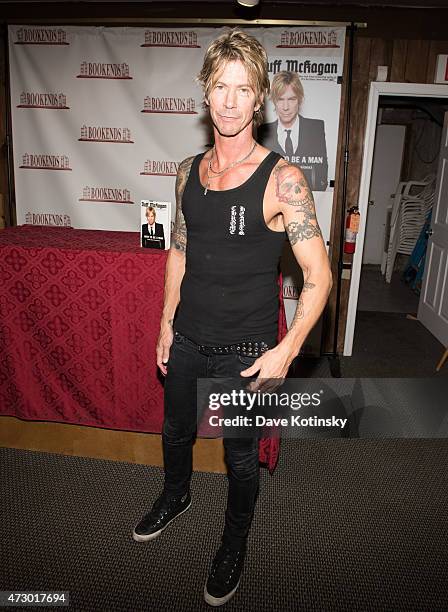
292, 189
179, 236
300, 311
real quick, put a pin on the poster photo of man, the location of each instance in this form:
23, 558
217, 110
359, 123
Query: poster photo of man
152, 234
300, 140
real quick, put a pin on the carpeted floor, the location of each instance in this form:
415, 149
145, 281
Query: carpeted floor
377, 295
390, 345
386, 345
342, 525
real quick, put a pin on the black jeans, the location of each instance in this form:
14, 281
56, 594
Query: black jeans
185, 366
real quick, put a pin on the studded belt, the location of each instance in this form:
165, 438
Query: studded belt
248, 348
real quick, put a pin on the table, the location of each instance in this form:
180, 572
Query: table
79, 321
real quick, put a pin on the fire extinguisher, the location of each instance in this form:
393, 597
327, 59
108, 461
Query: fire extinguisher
351, 229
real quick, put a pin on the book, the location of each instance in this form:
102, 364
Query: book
155, 224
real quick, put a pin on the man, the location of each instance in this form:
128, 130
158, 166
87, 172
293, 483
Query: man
234, 205
298, 139
152, 232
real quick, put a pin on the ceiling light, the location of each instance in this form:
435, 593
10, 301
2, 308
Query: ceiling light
249, 3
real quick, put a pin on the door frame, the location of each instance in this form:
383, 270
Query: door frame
377, 89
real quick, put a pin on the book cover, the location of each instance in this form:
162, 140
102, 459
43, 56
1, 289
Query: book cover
155, 224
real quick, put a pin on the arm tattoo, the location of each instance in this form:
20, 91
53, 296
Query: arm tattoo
292, 189
179, 236
301, 231
300, 311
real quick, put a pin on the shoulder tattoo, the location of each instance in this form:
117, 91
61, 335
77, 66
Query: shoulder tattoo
293, 190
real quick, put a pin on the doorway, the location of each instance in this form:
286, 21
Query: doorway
404, 169
404, 120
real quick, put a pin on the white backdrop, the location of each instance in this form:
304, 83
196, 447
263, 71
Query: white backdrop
101, 117
67, 79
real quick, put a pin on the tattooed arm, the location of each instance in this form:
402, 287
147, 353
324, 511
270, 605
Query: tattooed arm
179, 235
175, 270
294, 201
299, 216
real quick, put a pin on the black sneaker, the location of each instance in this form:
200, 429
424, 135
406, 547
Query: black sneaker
224, 576
163, 512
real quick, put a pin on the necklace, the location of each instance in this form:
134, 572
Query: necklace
221, 172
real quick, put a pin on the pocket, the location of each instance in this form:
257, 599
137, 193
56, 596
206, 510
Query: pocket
179, 352
178, 338
246, 360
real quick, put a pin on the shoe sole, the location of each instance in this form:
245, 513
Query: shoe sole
219, 601
152, 536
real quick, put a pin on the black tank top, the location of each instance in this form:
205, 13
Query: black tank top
229, 292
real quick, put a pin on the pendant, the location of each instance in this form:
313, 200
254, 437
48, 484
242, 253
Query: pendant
206, 188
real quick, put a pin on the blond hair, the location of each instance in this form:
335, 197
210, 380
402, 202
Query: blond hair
235, 45
282, 80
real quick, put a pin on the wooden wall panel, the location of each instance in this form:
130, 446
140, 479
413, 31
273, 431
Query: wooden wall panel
398, 65
365, 50
360, 80
360, 92
333, 250
416, 61
380, 55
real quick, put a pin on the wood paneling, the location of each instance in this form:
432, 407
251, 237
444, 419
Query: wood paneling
103, 443
360, 81
428, 23
416, 61
380, 55
333, 249
398, 65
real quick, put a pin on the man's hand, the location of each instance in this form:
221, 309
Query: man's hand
164, 343
272, 366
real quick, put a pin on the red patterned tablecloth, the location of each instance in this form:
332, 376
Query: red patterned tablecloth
79, 320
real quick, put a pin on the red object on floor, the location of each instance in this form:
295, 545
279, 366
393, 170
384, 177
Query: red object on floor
79, 321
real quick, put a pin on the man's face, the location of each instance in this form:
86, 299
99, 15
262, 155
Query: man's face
287, 106
151, 217
232, 100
